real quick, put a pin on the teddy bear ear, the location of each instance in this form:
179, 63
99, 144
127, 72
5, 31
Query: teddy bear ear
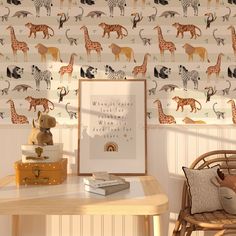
215, 181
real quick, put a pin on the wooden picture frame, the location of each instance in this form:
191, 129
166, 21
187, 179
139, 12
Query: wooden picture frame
112, 127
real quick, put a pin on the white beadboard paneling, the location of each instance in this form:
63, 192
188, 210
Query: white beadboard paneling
55, 225
128, 225
170, 155
65, 225
118, 226
86, 230
108, 226
169, 148
98, 225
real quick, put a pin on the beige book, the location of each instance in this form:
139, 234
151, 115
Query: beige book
107, 189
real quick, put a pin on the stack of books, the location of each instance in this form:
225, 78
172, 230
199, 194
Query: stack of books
104, 184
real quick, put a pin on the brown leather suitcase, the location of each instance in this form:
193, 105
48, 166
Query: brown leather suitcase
41, 173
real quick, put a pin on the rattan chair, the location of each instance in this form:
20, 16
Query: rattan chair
219, 220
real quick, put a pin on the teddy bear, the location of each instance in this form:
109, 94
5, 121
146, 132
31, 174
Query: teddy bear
42, 135
227, 191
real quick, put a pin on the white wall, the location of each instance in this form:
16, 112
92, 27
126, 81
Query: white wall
169, 148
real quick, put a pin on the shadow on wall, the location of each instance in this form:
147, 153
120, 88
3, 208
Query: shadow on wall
178, 146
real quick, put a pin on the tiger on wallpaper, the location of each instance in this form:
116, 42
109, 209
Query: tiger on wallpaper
111, 44
39, 101
107, 29
37, 28
181, 102
185, 28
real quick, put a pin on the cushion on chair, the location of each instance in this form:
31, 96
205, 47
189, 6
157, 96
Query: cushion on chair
204, 195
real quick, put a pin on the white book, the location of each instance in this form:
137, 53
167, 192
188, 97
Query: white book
107, 189
96, 183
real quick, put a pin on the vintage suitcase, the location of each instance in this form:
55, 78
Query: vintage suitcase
41, 173
37, 154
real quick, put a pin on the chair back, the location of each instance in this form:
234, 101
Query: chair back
226, 159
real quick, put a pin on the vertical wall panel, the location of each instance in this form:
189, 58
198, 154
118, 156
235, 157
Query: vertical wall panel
192, 145
86, 225
65, 225
108, 226
97, 225
128, 226
169, 147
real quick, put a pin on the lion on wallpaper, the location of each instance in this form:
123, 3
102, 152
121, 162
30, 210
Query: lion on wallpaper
200, 51
53, 51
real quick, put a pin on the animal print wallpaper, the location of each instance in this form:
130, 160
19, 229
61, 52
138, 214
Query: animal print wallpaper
185, 49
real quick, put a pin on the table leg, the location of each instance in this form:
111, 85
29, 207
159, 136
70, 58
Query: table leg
15, 225
156, 226
147, 225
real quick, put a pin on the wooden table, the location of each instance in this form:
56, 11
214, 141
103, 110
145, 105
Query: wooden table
145, 197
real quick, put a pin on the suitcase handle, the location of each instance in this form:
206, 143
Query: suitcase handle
37, 158
36, 180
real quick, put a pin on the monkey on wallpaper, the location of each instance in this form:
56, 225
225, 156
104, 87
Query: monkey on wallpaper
72, 114
6, 16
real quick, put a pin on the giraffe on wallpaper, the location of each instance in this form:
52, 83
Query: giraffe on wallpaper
233, 37
15, 117
216, 68
143, 68
17, 45
68, 69
91, 45
163, 118
232, 103
95, 52
165, 45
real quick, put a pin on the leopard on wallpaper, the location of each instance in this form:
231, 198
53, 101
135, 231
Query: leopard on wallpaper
184, 49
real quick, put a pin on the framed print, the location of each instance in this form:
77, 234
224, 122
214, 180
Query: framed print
112, 127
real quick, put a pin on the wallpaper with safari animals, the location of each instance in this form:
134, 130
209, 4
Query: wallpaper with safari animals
185, 49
